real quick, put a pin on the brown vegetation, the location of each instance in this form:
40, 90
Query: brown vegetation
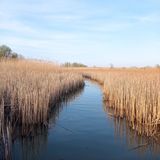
28, 91
134, 94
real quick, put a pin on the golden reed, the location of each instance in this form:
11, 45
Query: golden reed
134, 94
29, 88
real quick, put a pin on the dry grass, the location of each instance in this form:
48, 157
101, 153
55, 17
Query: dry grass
134, 94
28, 90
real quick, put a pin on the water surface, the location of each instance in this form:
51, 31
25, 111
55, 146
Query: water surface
82, 129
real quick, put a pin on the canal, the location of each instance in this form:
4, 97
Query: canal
82, 128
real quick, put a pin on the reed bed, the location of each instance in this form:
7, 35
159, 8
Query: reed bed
28, 91
134, 94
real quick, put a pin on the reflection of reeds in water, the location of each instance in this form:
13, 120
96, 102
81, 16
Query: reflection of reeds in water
30, 147
54, 111
135, 142
27, 91
27, 148
134, 94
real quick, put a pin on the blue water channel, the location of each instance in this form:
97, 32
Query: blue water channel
84, 129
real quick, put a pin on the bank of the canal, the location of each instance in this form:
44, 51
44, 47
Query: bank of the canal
83, 130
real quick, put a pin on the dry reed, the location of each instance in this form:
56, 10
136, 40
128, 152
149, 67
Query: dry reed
28, 90
134, 94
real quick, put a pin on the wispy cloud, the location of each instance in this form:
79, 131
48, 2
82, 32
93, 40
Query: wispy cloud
79, 28
16, 26
148, 18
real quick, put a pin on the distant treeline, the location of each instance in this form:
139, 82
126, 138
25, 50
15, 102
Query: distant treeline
6, 52
68, 64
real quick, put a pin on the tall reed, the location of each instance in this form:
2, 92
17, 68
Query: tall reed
28, 89
134, 94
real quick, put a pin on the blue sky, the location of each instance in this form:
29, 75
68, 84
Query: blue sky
94, 32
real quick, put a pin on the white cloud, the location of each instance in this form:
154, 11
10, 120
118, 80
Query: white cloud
73, 27
16, 26
109, 27
150, 18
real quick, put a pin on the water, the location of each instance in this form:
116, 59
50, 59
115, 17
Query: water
84, 129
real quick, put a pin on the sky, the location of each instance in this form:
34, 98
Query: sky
93, 32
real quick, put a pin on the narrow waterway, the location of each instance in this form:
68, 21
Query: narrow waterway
83, 129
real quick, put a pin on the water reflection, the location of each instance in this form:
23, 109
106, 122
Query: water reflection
94, 135
28, 143
135, 143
